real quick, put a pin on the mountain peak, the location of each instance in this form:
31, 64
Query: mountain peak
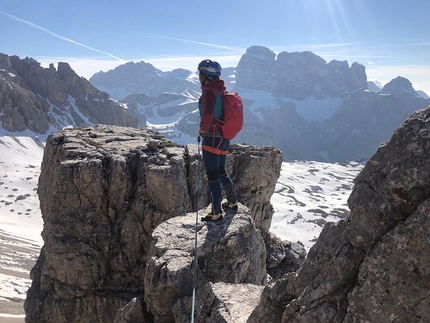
298, 75
42, 100
399, 86
143, 78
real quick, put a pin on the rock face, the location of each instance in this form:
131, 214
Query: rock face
365, 118
304, 87
118, 206
400, 85
298, 75
231, 251
374, 265
256, 69
44, 99
111, 240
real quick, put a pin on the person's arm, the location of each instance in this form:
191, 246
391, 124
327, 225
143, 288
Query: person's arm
209, 101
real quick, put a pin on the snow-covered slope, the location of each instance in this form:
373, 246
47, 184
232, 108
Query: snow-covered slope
20, 159
308, 195
178, 117
20, 220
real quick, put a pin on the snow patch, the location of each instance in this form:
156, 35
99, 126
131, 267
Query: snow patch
310, 109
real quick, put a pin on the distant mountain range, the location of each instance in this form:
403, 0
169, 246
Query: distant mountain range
308, 108
38, 101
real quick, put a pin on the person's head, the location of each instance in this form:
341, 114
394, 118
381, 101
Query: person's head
209, 71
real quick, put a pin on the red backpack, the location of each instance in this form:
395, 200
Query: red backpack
233, 115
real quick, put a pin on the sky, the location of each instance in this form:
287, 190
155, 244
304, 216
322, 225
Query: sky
389, 37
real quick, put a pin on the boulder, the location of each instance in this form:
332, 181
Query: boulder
230, 251
131, 313
219, 303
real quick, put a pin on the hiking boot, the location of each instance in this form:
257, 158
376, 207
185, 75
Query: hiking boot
230, 205
212, 217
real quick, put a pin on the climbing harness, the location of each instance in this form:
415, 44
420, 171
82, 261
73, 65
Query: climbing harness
195, 237
212, 149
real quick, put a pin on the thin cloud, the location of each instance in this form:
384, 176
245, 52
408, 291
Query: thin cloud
85, 67
32, 25
334, 45
350, 55
203, 44
404, 45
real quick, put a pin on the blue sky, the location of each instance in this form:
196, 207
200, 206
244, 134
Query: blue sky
390, 37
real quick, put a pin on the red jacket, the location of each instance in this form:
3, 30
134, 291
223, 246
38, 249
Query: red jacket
207, 104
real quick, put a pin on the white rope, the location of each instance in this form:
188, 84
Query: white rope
195, 238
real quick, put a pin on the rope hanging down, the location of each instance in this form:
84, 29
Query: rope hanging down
195, 237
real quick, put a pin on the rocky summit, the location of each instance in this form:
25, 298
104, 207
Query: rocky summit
298, 75
119, 207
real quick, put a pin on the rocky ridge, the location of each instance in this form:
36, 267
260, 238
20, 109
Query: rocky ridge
118, 206
44, 100
140, 78
365, 119
298, 75
143, 78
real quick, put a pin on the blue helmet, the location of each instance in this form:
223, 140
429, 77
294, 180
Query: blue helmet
211, 68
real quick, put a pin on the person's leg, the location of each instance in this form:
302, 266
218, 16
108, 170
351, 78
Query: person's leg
211, 161
226, 181
227, 185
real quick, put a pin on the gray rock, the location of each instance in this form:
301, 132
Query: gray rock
230, 251
275, 296
282, 256
39, 99
258, 60
372, 266
220, 302
298, 75
393, 282
103, 191
131, 313
255, 191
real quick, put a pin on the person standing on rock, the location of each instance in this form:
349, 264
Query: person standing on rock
214, 146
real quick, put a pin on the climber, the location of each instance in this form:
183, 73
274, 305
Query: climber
214, 146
